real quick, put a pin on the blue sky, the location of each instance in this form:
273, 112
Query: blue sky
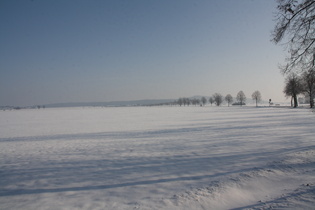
81, 51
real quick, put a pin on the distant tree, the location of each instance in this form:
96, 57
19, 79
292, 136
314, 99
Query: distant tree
229, 99
308, 85
296, 22
180, 101
211, 100
256, 96
203, 101
195, 101
188, 101
241, 98
293, 87
185, 101
198, 102
218, 99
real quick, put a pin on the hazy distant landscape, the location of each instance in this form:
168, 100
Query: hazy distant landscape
148, 102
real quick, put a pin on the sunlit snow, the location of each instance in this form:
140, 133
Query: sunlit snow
157, 158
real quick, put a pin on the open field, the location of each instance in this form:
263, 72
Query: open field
157, 158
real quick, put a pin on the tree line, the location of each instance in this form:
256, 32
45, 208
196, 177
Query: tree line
217, 99
295, 26
300, 84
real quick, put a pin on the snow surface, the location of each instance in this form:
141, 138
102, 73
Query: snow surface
157, 158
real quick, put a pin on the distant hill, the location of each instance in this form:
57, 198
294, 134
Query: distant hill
112, 103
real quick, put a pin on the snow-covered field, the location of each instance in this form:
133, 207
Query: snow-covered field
157, 158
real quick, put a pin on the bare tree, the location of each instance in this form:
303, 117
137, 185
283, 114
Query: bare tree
308, 85
184, 101
293, 88
218, 99
241, 98
188, 101
295, 22
180, 101
195, 101
211, 100
203, 101
256, 96
229, 99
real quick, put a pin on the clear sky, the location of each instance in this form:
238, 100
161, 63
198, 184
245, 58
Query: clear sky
55, 51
